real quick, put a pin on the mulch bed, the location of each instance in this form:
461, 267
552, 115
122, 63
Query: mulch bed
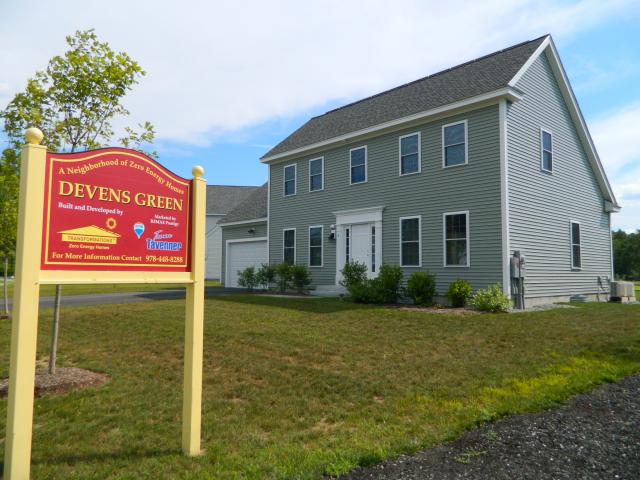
63, 381
593, 436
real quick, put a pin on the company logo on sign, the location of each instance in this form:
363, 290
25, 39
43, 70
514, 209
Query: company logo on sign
159, 242
91, 234
138, 229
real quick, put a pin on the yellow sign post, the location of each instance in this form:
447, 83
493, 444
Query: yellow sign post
30, 275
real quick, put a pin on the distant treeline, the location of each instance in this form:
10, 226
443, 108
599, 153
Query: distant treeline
626, 255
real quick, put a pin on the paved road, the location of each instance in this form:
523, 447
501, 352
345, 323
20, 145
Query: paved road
126, 297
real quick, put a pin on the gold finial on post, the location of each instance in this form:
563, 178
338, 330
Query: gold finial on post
33, 135
197, 171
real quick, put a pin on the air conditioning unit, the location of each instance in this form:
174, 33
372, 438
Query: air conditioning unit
622, 292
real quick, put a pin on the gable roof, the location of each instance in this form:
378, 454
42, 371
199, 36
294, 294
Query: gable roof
254, 207
547, 46
221, 199
471, 79
484, 79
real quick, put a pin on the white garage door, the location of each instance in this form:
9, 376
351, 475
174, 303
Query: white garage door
241, 255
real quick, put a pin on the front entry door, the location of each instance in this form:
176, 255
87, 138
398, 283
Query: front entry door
360, 246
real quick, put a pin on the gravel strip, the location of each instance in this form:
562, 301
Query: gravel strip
593, 436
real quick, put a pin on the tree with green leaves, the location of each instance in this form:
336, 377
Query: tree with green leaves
9, 185
626, 255
74, 102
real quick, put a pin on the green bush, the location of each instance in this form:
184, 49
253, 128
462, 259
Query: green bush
353, 273
247, 278
421, 288
491, 299
266, 275
459, 293
300, 277
283, 275
387, 285
383, 289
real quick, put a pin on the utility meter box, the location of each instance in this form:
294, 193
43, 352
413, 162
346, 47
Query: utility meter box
518, 266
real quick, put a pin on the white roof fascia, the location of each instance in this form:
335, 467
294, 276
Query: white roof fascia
509, 93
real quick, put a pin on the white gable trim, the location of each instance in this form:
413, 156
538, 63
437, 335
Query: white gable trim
549, 48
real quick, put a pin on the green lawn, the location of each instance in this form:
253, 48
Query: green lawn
50, 290
295, 388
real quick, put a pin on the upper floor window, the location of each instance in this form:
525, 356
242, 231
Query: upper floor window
290, 180
316, 174
410, 242
454, 144
456, 239
289, 246
410, 154
315, 246
576, 246
358, 159
546, 151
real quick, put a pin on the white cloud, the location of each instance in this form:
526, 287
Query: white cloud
216, 67
616, 138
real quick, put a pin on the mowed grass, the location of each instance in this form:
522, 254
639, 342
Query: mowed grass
96, 288
298, 388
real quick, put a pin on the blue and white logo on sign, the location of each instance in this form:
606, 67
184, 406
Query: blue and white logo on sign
138, 228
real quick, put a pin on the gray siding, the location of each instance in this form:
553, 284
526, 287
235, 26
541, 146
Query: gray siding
213, 247
541, 205
237, 232
434, 191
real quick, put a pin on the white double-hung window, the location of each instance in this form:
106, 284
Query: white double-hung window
410, 153
358, 164
289, 246
546, 151
315, 246
454, 144
316, 174
410, 241
456, 239
290, 180
576, 246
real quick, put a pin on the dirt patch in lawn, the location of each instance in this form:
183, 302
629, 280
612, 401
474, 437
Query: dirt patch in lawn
63, 381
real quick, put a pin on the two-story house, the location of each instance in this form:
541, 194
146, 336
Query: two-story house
451, 173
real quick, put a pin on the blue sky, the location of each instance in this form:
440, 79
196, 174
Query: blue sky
225, 85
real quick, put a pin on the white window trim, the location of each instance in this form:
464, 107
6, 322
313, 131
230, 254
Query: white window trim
553, 156
322, 186
295, 180
400, 154
419, 217
466, 144
571, 222
295, 244
321, 227
366, 165
444, 239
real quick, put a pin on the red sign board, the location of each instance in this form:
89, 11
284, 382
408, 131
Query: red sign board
114, 209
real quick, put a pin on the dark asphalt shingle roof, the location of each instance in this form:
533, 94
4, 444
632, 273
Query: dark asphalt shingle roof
254, 206
477, 77
221, 199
